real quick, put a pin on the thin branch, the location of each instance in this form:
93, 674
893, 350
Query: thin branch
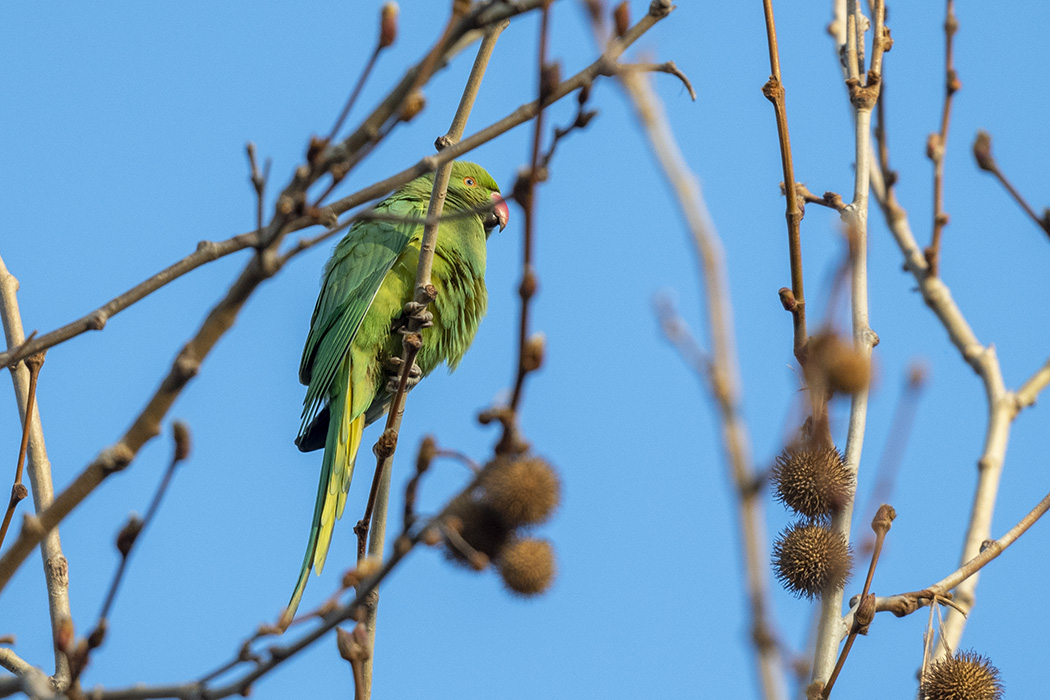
907, 603
525, 195
276, 654
774, 92
206, 252
864, 613
982, 151
1028, 392
56, 568
722, 373
937, 143
863, 96
18, 489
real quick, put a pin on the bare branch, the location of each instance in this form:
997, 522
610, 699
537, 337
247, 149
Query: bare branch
56, 568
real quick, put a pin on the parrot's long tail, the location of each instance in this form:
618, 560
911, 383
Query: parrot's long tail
340, 450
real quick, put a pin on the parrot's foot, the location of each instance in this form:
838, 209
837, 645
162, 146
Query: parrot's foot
393, 366
419, 312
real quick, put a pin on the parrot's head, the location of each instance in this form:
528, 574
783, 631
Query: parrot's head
471, 187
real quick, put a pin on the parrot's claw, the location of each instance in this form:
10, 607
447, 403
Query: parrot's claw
393, 366
420, 313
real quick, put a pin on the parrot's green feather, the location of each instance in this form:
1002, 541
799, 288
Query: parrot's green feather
367, 282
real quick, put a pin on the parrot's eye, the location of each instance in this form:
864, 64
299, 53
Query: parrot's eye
469, 182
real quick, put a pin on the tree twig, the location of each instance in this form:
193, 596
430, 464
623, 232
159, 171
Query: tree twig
863, 96
18, 489
937, 143
56, 568
982, 151
774, 92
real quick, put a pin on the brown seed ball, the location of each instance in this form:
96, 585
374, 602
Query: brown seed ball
809, 559
523, 491
527, 566
812, 480
836, 365
965, 676
481, 527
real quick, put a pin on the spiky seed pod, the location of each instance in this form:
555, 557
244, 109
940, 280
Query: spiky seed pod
481, 527
835, 365
809, 559
964, 676
527, 566
812, 480
523, 491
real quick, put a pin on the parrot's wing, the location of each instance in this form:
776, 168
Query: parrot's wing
352, 278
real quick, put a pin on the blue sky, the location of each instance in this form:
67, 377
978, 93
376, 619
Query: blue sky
123, 146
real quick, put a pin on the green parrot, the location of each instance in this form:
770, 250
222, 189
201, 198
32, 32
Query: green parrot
351, 351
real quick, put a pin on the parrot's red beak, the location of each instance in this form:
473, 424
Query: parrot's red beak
500, 211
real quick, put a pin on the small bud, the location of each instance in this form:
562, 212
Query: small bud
402, 545
19, 492
388, 24
427, 451
315, 149
127, 535
964, 676
97, 635
865, 614
550, 77
431, 537
883, 519
412, 106
812, 480
183, 443
532, 357
523, 491
64, 636
352, 646
810, 559
622, 18
527, 566
982, 152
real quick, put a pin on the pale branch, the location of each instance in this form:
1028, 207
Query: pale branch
863, 96
1003, 405
1028, 392
721, 371
56, 568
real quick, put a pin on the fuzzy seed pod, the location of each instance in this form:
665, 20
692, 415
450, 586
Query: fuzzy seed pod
481, 527
809, 559
836, 365
527, 566
523, 491
965, 676
812, 480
